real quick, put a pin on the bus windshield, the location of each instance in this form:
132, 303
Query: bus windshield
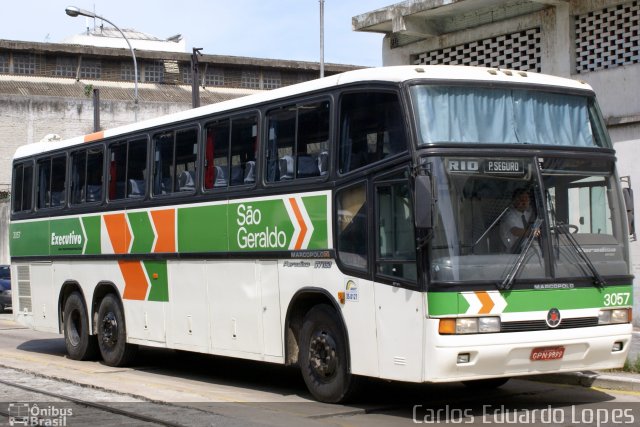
478, 115
493, 218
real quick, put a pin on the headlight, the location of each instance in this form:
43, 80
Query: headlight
469, 325
616, 315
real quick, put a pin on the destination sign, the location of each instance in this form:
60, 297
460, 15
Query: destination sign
511, 167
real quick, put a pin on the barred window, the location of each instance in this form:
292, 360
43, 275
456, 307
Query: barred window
90, 69
65, 67
24, 64
520, 51
214, 77
4, 63
187, 73
608, 38
126, 72
250, 80
154, 72
272, 80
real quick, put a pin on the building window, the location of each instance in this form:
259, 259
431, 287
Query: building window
250, 80
187, 73
90, 69
24, 64
4, 63
518, 51
214, 77
65, 67
154, 72
126, 72
272, 80
608, 38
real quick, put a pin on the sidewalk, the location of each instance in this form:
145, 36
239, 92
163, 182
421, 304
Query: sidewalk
610, 380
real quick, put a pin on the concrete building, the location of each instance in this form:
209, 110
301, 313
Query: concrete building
47, 89
597, 41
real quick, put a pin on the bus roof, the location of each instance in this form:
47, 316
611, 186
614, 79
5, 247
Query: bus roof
394, 74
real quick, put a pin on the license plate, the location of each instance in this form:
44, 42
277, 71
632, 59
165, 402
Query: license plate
547, 353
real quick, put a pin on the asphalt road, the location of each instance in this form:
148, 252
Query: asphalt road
235, 392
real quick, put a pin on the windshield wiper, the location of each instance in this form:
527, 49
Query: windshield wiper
507, 283
597, 279
493, 224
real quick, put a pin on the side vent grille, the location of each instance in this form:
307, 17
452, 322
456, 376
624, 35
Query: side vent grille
24, 289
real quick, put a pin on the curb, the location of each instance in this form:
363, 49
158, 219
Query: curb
592, 380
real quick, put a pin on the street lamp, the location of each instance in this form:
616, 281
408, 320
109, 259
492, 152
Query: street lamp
75, 11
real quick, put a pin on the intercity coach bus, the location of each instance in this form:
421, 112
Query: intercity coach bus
360, 225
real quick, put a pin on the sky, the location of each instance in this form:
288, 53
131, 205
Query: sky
275, 29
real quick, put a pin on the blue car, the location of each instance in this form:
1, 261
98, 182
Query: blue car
5, 287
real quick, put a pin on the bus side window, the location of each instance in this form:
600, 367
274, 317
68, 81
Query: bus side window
216, 164
51, 182
186, 153
298, 142
352, 225
243, 150
86, 176
117, 171
136, 168
22, 187
371, 129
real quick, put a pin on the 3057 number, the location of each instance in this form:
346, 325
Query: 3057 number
617, 299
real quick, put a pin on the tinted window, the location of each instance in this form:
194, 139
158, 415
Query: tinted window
175, 155
352, 242
51, 182
86, 176
22, 187
371, 129
298, 142
230, 154
127, 169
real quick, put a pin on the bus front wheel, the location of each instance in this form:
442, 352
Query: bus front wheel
112, 333
323, 356
79, 343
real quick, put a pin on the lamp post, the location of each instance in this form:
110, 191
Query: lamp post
75, 11
321, 38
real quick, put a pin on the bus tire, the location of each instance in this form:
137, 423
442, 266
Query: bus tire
486, 384
80, 344
323, 356
112, 333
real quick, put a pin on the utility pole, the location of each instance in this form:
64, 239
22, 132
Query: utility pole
321, 38
195, 81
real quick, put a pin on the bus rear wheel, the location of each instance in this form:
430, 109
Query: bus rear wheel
112, 333
79, 343
323, 356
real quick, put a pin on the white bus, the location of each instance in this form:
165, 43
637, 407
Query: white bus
360, 225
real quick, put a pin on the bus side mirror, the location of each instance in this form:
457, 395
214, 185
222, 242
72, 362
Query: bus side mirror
423, 202
627, 194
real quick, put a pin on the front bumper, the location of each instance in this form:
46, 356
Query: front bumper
508, 354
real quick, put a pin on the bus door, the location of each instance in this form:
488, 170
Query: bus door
398, 302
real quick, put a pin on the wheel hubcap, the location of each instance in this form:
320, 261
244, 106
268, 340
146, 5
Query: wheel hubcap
323, 356
110, 330
73, 328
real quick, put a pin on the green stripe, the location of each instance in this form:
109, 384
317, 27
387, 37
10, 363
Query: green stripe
454, 303
160, 285
143, 235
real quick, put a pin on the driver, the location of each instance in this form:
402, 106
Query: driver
515, 223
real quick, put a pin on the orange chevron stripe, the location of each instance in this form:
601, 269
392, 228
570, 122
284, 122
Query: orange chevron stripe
94, 136
135, 281
300, 219
487, 302
165, 224
119, 233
